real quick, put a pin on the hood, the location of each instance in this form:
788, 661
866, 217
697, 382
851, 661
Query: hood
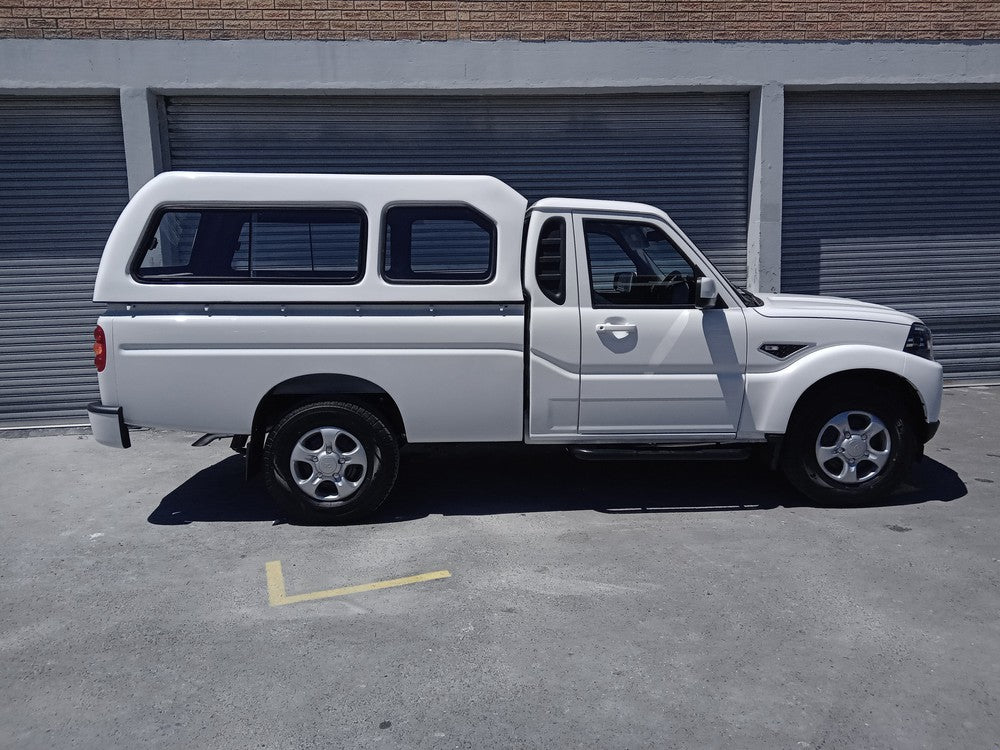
810, 306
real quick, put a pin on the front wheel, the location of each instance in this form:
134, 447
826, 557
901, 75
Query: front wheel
330, 462
850, 447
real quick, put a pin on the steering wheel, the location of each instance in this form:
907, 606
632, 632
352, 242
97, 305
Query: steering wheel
664, 288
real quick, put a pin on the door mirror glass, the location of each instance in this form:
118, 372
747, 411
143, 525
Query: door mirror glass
708, 294
623, 281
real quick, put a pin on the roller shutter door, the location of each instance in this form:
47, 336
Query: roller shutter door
687, 154
63, 182
895, 198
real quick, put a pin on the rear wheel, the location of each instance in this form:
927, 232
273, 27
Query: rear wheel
850, 446
330, 462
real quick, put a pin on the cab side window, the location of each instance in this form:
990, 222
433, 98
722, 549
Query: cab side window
634, 264
550, 260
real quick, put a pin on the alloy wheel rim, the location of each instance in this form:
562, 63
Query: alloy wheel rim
328, 464
853, 447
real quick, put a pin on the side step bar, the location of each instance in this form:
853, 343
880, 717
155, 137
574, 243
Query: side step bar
208, 437
710, 452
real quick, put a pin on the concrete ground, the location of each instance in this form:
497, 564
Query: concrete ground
589, 605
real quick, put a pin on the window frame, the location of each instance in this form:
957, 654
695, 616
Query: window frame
427, 280
695, 268
153, 223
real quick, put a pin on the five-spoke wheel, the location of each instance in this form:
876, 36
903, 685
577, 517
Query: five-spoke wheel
853, 447
328, 464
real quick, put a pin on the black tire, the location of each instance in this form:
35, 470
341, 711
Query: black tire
799, 461
381, 452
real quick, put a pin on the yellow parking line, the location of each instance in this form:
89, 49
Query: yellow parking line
277, 596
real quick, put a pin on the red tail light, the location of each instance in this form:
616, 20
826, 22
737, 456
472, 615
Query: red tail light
100, 349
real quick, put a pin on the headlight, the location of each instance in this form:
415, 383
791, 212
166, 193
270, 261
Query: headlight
919, 341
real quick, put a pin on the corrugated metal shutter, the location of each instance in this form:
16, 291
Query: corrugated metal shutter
687, 153
894, 198
63, 182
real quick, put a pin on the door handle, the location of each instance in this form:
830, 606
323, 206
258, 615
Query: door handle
625, 327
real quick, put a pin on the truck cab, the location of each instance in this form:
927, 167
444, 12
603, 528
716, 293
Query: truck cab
326, 320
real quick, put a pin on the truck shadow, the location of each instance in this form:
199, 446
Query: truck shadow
489, 480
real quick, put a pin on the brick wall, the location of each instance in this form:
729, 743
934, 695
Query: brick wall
535, 20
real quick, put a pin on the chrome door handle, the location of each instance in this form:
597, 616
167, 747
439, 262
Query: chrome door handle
626, 327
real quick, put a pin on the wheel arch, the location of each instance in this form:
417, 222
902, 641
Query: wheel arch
301, 389
772, 397
867, 378
328, 386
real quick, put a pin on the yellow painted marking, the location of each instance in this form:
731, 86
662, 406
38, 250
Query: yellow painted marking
277, 596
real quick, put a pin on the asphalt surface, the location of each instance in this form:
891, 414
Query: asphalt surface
589, 605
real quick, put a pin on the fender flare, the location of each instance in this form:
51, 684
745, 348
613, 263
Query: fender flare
772, 396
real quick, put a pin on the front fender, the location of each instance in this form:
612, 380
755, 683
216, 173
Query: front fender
771, 396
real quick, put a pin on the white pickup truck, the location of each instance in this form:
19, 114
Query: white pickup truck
324, 321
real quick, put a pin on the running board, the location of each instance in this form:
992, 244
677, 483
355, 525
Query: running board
708, 452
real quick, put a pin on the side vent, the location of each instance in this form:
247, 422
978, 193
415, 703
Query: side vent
781, 351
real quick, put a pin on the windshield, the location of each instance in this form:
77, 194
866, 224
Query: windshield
749, 298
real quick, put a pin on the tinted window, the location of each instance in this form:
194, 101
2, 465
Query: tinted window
438, 243
636, 265
322, 245
550, 260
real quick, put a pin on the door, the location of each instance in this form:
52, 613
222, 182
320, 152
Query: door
892, 198
62, 183
553, 324
652, 362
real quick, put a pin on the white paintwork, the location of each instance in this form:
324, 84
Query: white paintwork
202, 356
670, 372
372, 193
808, 306
454, 377
106, 429
837, 342
554, 357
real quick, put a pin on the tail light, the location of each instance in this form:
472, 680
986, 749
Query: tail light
100, 349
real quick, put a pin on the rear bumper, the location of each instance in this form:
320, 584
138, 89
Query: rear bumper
108, 425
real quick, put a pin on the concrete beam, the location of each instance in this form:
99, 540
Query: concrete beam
142, 125
170, 66
767, 133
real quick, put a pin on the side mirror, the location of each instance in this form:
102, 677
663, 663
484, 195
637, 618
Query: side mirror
707, 294
623, 281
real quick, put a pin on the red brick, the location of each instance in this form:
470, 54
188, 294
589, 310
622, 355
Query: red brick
528, 20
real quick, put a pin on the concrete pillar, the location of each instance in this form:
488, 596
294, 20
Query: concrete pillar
767, 133
142, 124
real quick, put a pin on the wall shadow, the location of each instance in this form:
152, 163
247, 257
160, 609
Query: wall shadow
491, 480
